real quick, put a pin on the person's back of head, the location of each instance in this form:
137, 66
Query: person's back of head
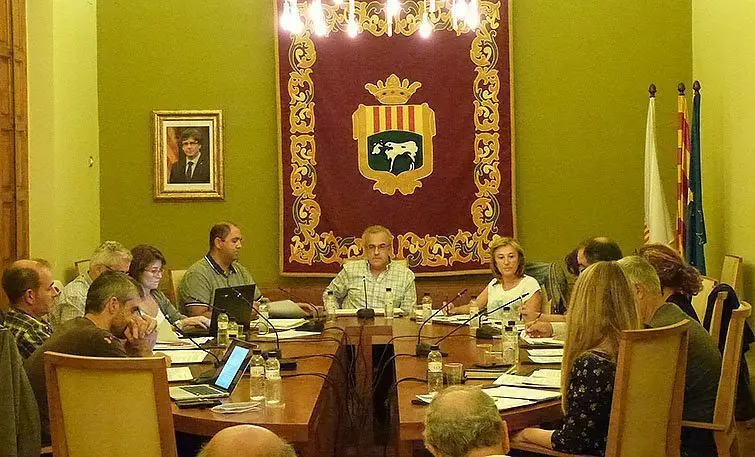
673, 272
111, 284
246, 441
602, 249
110, 255
461, 420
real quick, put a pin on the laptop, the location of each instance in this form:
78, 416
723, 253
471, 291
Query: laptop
227, 300
231, 369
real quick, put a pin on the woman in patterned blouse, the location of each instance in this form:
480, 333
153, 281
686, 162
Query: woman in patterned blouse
601, 306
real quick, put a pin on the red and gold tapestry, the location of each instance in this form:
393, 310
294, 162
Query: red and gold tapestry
408, 132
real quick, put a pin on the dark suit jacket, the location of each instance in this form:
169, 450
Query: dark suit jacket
201, 171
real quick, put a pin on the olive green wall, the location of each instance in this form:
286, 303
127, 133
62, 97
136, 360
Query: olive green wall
723, 32
581, 71
64, 196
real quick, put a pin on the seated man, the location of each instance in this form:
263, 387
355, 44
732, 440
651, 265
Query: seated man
373, 275
219, 268
236, 441
464, 422
110, 255
29, 287
703, 358
112, 312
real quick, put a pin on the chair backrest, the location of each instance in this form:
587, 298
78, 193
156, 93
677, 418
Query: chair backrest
731, 273
82, 266
717, 316
700, 301
175, 277
732, 357
120, 406
648, 394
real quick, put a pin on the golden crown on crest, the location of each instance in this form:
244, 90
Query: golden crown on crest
393, 91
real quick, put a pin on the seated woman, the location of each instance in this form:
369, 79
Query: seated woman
679, 280
510, 282
147, 269
601, 306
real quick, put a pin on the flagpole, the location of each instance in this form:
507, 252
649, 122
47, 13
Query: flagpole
658, 227
682, 166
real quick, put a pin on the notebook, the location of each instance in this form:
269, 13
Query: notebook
231, 369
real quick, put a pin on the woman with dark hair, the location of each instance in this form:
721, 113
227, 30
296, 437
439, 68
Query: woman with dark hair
679, 280
147, 269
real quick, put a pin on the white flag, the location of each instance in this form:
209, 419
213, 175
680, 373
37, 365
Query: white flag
657, 221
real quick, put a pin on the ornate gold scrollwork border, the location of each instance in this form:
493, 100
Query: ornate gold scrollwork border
307, 245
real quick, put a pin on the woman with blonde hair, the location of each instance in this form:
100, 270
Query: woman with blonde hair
510, 282
601, 307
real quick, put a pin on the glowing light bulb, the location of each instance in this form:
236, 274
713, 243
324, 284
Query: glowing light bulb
473, 15
425, 28
338, 2
459, 10
352, 28
318, 18
392, 7
286, 20
432, 6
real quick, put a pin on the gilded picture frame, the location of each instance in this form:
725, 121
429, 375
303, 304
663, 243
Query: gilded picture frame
188, 155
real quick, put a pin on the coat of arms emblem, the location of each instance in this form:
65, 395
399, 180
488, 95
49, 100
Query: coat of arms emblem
395, 139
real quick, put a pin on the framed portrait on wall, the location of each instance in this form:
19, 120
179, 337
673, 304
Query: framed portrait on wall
188, 155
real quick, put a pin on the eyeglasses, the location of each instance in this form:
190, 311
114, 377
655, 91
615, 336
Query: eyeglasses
189, 143
381, 246
155, 271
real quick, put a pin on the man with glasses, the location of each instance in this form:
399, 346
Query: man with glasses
112, 314
372, 275
192, 166
110, 255
30, 289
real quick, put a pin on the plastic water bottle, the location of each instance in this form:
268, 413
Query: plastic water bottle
233, 329
273, 382
257, 376
264, 311
388, 305
509, 346
222, 337
474, 323
418, 307
506, 315
427, 308
434, 369
330, 306
515, 340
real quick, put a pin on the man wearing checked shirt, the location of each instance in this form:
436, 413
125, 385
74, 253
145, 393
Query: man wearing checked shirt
374, 273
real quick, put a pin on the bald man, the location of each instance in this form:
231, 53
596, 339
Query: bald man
247, 441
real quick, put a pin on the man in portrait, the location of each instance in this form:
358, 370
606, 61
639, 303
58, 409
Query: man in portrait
193, 165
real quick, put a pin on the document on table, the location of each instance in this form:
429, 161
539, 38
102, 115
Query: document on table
541, 341
546, 372
183, 343
501, 403
285, 335
559, 352
522, 393
185, 356
546, 360
281, 324
548, 382
176, 374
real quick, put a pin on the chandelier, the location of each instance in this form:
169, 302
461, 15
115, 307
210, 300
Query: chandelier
463, 14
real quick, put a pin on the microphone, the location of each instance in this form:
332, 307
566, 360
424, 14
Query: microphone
366, 312
206, 375
479, 313
424, 348
286, 364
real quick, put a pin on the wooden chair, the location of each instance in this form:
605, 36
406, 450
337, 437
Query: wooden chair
700, 301
724, 426
648, 395
118, 406
175, 277
731, 273
82, 266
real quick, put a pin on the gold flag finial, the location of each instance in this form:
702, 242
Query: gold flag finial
393, 91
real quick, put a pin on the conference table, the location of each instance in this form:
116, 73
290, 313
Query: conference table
315, 394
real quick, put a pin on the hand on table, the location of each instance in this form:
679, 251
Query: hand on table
195, 321
539, 329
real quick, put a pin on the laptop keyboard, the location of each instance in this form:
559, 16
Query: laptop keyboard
202, 390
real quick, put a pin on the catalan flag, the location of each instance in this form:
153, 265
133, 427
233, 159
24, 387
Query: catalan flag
682, 169
657, 221
695, 237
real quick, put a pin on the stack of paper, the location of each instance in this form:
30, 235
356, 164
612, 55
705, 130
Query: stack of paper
185, 356
528, 381
546, 373
285, 335
557, 352
176, 374
502, 403
522, 393
544, 341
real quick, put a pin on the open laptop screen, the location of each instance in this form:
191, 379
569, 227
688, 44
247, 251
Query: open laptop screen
233, 365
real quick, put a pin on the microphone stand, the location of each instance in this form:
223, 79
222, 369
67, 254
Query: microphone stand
479, 313
366, 312
423, 349
206, 375
286, 364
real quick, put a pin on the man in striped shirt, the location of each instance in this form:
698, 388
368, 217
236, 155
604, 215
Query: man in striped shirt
369, 278
29, 287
